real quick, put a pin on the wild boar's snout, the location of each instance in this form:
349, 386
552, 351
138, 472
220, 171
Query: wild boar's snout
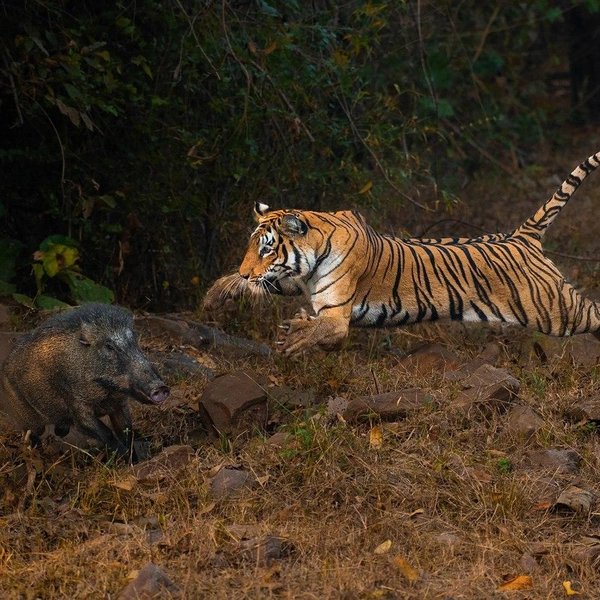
160, 394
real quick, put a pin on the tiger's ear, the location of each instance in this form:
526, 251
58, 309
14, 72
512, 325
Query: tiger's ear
292, 225
260, 210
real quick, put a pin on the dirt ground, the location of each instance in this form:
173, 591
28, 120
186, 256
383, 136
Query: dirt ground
436, 505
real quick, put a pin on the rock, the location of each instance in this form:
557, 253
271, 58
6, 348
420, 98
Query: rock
162, 465
281, 439
487, 388
574, 498
389, 406
430, 359
235, 403
585, 549
523, 421
181, 331
291, 398
228, 483
150, 582
178, 364
489, 355
585, 410
558, 461
528, 563
264, 550
580, 350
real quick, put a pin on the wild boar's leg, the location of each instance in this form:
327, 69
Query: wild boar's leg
89, 424
121, 421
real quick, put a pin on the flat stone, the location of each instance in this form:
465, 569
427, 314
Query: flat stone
228, 483
523, 421
487, 388
178, 364
528, 563
264, 550
489, 355
162, 465
558, 461
430, 359
235, 403
585, 410
581, 350
151, 582
180, 331
389, 406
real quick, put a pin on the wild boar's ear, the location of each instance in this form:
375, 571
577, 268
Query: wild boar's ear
86, 335
260, 210
292, 225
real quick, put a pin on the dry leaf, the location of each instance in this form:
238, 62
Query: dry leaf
376, 438
206, 508
406, 569
126, 484
521, 582
542, 506
569, 590
383, 547
270, 48
366, 188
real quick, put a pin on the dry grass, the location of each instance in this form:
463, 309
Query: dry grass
451, 494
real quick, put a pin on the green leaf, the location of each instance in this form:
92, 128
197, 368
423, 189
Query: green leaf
49, 303
86, 290
57, 239
24, 300
6, 289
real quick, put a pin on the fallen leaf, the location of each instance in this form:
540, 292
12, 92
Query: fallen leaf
406, 569
383, 547
366, 187
521, 582
569, 590
206, 508
542, 506
376, 438
126, 484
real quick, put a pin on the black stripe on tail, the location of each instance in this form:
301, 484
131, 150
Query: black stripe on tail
537, 224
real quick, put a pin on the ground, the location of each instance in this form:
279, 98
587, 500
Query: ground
439, 504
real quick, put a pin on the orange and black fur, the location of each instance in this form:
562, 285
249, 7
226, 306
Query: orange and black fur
352, 275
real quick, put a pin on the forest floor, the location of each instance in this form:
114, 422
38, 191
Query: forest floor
438, 504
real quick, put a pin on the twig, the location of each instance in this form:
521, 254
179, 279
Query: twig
485, 33
377, 161
13, 87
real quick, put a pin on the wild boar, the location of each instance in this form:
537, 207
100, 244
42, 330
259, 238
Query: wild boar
75, 368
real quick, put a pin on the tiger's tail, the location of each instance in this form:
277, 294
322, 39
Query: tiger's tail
537, 224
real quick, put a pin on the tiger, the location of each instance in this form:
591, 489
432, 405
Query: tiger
352, 275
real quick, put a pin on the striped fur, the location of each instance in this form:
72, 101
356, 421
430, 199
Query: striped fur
352, 275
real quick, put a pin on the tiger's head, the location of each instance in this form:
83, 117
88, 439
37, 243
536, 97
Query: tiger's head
280, 249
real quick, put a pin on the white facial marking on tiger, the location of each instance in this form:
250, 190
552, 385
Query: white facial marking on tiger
352, 275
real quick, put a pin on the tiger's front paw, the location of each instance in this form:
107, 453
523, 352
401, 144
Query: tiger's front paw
304, 331
295, 334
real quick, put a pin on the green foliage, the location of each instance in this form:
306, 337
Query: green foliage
145, 131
